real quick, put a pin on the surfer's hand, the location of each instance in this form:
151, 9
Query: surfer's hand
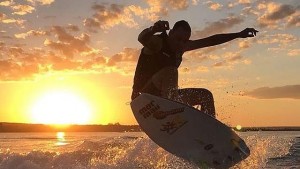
248, 32
160, 26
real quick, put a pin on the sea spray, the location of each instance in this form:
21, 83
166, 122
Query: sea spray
262, 149
136, 150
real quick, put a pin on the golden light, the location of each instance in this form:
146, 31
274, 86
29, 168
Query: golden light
61, 107
238, 127
60, 136
61, 141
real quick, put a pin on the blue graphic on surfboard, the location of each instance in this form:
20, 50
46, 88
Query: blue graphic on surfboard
188, 133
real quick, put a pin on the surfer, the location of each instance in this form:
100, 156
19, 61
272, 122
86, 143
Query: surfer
157, 68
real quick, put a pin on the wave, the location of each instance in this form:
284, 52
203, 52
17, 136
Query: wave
291, 159
128, 152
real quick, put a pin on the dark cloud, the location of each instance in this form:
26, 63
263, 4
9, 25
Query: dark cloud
282, 12
16, 51
230, 59
127, 55
67, 43
2, 45
73, 28
287, 14
289, 91
2, 16
218, 26
107, 16
94, 63
294, 21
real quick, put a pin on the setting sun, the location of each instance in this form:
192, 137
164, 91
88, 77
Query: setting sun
61, 107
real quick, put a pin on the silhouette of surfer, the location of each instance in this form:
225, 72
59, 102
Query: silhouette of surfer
157, 68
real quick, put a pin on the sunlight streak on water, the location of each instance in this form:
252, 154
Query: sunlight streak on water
61, 141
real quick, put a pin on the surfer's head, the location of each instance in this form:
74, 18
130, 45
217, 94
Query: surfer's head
179, 35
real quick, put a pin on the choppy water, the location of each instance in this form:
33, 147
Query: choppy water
131, 150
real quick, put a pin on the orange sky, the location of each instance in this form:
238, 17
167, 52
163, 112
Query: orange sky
86, 52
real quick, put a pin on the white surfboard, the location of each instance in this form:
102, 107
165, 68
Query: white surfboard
188, 133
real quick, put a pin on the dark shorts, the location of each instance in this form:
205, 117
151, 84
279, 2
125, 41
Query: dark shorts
150, 89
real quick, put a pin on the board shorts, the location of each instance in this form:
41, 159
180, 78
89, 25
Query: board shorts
150, 89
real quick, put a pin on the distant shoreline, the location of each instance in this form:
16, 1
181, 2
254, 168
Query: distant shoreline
25, 127
281, 128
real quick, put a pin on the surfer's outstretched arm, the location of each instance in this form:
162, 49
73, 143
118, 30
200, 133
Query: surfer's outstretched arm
219, 39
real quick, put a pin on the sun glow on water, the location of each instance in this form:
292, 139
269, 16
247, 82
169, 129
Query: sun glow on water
61, 141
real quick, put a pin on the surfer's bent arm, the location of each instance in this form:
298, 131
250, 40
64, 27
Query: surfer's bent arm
219, 39
147, 38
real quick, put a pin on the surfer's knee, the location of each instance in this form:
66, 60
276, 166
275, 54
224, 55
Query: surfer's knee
206, 93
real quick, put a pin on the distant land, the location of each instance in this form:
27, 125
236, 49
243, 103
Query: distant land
116, 127
24, 127
281, 128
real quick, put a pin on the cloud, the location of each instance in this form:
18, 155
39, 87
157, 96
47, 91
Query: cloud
22, 9
244, 44
16, 51
41, 2
2, 16
154, 12
280, 13
202, 69
12, 71
294, 52
67, 43
127, 55
178, 4
184, 70
231, 59
2, 44
294, 20
6, 20
158, 9
274, 14
289, 91
110, 15
213, 5
218, 26
73, 28
281, 39
6, 3
31, 33
107, 16
240, 2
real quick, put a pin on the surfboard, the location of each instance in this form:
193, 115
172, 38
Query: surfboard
188, 133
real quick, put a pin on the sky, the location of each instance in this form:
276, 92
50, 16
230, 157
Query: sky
65, 61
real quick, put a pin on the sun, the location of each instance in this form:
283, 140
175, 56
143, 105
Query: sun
61, 107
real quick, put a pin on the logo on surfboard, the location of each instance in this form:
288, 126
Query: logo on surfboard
152, 108
149, 109
172, 126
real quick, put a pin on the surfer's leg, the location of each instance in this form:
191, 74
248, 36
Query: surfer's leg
198, 96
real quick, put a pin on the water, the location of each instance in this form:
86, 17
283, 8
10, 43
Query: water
131, 150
